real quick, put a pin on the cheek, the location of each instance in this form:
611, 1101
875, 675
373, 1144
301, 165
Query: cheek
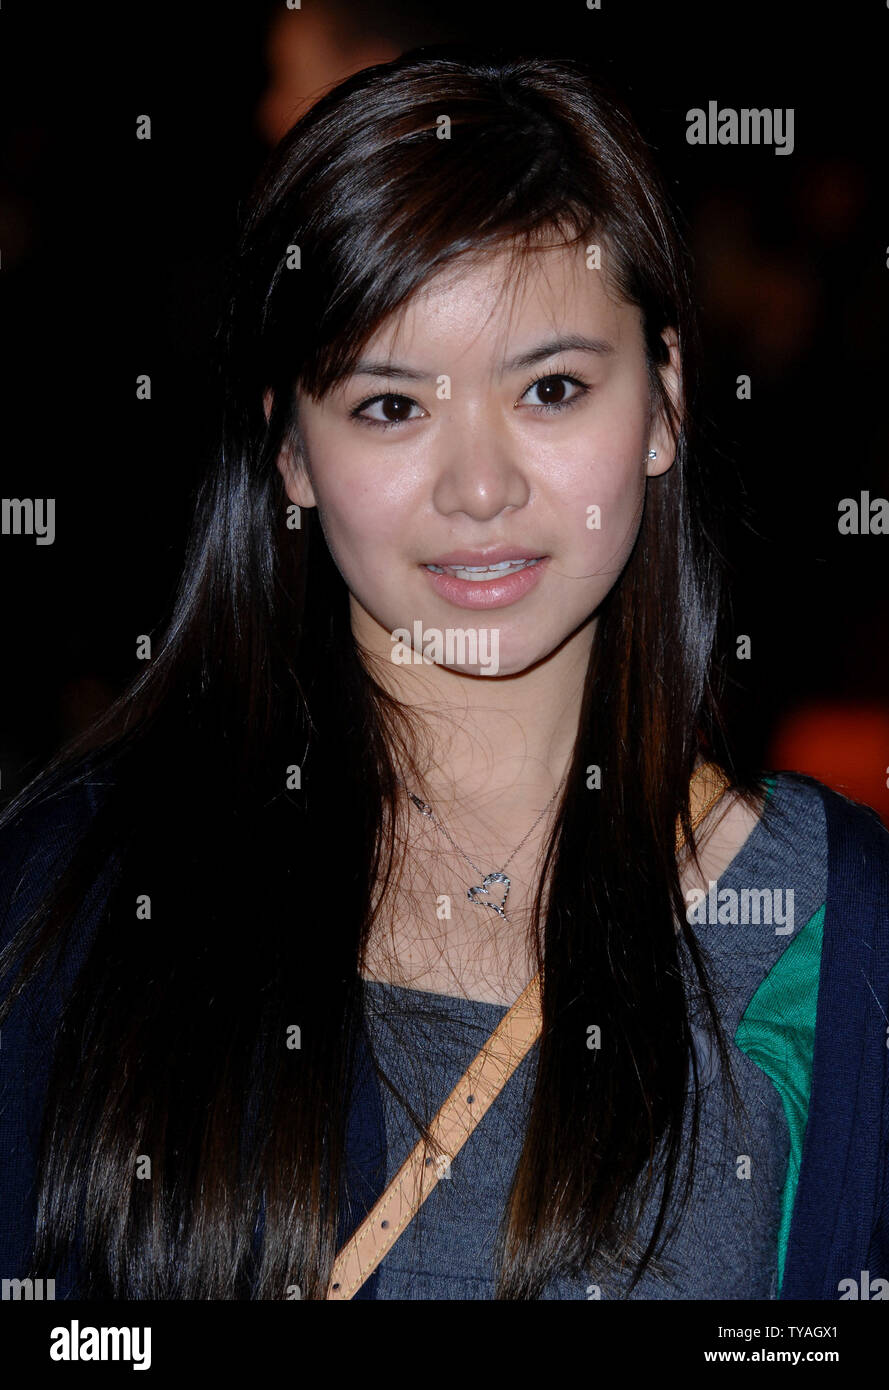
603, 493
356, 498
614, 476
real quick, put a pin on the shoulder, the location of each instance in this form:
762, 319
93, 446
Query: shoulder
854, 826
803, 837
843, 838
796, 794
854, 838
779, 833
793, 810
804, 819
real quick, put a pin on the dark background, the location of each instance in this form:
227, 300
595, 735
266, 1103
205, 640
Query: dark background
113, 253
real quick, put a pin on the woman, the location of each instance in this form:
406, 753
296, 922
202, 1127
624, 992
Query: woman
262, 920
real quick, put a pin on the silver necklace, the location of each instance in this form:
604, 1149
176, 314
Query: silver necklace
479, 892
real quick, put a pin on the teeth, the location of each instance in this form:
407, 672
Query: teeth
482, 572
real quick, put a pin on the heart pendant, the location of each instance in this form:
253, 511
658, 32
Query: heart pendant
488, 879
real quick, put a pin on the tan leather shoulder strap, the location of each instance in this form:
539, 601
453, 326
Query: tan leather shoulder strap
708, 784
478, 1087
476, 1090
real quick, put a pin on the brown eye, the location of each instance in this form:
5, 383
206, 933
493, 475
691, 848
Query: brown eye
396, 407
386, 410
554, 393
551, 390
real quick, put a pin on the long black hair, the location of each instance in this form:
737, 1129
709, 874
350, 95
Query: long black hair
257, 738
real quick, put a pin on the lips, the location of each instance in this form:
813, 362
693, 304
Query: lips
483, 558
477, 573
484, 587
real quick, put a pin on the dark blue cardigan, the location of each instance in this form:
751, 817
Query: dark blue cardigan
840, 1225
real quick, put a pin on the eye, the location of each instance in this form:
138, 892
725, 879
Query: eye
553, 392
395, 410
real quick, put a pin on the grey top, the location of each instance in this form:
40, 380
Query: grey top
726, 1246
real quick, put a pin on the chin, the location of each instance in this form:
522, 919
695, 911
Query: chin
505, 664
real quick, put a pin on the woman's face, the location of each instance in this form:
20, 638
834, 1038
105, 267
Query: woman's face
486, 423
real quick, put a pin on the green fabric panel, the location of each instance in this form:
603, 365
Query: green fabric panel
777, 1032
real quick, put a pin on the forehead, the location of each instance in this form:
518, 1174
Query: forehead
482, 307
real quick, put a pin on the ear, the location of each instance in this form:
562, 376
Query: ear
661, 437
291, 465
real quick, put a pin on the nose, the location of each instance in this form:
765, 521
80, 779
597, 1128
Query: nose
479, 471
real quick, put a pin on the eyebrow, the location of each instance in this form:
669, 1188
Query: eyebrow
573, 342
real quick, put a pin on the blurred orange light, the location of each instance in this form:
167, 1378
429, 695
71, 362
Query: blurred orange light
843, 744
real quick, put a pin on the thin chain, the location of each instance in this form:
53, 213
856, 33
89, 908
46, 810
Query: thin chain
427, 811
500, 876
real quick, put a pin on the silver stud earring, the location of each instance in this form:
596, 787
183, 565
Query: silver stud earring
652, 453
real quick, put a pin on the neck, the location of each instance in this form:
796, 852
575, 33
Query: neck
493, 743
